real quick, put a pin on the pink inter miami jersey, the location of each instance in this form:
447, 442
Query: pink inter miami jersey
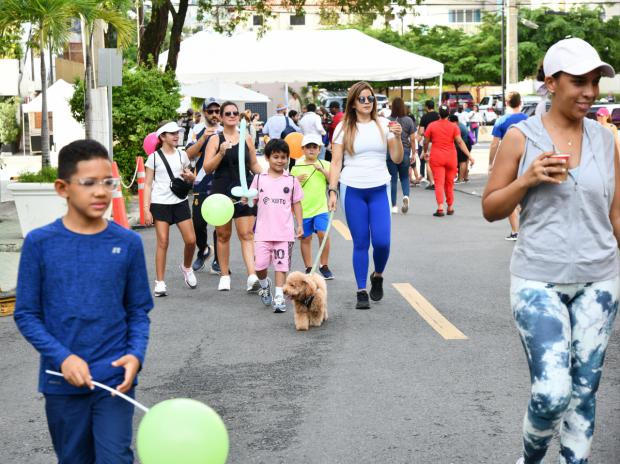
276, 196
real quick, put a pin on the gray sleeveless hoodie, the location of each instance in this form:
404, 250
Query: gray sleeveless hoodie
566, 235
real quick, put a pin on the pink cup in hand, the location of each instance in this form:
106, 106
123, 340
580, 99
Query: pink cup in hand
564, 175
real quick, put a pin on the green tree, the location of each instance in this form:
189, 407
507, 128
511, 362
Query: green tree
146, 98
51, 20
10, 47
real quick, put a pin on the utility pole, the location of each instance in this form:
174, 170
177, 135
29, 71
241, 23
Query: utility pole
503, 46
512, 43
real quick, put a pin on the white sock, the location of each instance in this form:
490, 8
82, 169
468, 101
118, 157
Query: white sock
279, 292
264, 283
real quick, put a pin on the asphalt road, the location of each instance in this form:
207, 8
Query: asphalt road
378, 386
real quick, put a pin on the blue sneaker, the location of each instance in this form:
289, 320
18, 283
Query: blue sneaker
279, 305
215, 268
326, 273
265, 294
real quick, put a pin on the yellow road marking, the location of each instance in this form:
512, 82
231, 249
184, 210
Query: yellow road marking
340, 227
428, 312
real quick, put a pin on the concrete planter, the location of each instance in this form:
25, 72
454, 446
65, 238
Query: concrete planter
36, 204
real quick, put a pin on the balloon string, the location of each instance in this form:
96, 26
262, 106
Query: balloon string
322, 247
111, 390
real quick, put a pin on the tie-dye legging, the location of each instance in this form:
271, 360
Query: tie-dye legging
564, 329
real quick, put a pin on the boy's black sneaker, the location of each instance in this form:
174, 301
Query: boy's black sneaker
308, 269
376, 287
326, 273
362, 300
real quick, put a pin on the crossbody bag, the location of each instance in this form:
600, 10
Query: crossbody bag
178, 186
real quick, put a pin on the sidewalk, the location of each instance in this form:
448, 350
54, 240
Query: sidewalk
10, 246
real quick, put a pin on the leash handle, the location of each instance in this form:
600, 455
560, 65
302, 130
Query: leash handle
111, 390
322, 247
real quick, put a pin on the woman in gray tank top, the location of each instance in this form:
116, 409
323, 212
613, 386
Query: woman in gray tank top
564, 268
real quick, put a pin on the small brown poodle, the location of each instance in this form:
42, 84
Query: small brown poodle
309, 295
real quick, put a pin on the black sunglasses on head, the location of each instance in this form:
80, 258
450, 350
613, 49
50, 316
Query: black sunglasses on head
229, 114
369, 99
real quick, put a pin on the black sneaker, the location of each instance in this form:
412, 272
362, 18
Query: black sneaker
430, 187
326, 273
362, 300
308, 269
199, 263
376, 287
201, 259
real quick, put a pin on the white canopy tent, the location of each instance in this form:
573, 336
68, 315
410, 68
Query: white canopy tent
298, 56
222, 91
66, 129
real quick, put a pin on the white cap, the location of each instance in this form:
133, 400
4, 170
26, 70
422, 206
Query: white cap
312, 138
168, 127
574, 56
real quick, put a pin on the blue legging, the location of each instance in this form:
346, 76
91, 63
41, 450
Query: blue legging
369, 219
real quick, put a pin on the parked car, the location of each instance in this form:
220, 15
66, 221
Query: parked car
613, 108
530, 107
382, 101
491, 108
327, 98
453, 99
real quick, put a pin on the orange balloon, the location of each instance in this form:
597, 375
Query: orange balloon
294, 144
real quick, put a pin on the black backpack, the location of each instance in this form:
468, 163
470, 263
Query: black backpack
288, 129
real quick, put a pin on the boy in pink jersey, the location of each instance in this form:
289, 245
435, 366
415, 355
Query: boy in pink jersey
279, 197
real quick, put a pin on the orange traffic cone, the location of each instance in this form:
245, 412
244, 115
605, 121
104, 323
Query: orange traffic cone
118, 203
141, 176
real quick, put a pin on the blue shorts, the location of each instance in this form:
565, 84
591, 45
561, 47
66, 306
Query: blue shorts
316, 223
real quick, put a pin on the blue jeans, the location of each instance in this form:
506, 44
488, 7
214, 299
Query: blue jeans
401, 171
89, 428
564, 329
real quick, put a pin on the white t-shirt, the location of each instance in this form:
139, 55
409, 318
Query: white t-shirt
161, 193
311, 124
367, 168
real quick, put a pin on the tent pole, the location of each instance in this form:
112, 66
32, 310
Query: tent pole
440, 86
23, 130
412, 97
286, 95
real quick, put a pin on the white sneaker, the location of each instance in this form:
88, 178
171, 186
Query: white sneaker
189, 277
253, 285
224, 284
279, 304
394, 209
521, 461
405, 206
160, 288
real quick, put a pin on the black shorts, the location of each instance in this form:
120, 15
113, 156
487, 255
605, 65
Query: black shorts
172, 214
223, 187
461, 157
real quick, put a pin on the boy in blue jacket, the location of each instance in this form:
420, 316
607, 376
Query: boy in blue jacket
82, 301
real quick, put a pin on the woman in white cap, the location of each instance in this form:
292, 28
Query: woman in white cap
564, 284
164, 207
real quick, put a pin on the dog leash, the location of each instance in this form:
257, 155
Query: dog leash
322, 247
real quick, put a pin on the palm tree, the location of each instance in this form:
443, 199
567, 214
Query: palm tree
51, 20
105, 12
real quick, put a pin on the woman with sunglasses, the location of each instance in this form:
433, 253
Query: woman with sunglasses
360, 143
222, 158
564, 285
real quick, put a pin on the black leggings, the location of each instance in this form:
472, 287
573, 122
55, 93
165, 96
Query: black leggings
200, 226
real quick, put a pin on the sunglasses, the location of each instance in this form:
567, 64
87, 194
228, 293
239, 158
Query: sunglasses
231, 114
369, 99
212, 111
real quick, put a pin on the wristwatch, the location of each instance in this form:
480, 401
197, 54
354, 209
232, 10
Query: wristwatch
330, 190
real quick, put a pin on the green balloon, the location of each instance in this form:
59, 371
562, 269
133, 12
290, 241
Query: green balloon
217, 209
182, 431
